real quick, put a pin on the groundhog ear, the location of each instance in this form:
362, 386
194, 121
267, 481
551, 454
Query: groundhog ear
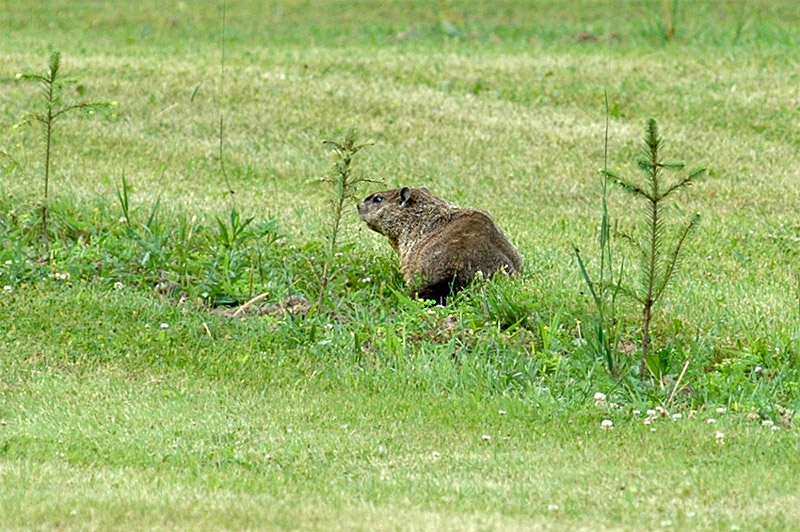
405, 195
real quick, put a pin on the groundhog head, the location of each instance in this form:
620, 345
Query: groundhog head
392, 211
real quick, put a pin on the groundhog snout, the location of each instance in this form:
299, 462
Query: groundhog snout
362, 208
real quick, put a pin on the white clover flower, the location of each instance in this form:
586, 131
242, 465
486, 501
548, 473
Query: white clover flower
719, 437
365, 280
637, 412
501, 412
647, 421
329, 326
711, 420
775, 427
9, 262
676, 417
486, 437
552, 507
165, 325
118, 286
435, 454
651, 412
720, 410
7, 288
146, 325
767, 423
123, 220
757, 369
606, 424
599, 399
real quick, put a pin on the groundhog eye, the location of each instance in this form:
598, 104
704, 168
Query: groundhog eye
377, 199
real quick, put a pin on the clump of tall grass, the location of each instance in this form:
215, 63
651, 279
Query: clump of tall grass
666, 23
222, 264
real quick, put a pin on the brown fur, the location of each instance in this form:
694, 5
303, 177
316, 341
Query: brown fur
441, 246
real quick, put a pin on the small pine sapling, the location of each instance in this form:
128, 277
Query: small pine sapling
344, 182
658, 264
52, 83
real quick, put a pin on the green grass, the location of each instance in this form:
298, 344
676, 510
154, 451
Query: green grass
93, 444
372, 416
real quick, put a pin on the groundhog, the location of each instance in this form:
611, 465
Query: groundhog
441, 246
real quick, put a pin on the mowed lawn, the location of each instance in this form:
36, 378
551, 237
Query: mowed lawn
126, 406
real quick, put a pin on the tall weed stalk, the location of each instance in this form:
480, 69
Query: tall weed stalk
604, 289
344, 182
229, 190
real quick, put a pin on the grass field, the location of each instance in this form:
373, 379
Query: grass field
130, 398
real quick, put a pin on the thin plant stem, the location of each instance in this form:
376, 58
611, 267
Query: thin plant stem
229, 190
678, 382
48, 143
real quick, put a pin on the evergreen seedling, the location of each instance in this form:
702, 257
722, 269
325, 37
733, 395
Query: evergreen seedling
52, 83
658, 261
